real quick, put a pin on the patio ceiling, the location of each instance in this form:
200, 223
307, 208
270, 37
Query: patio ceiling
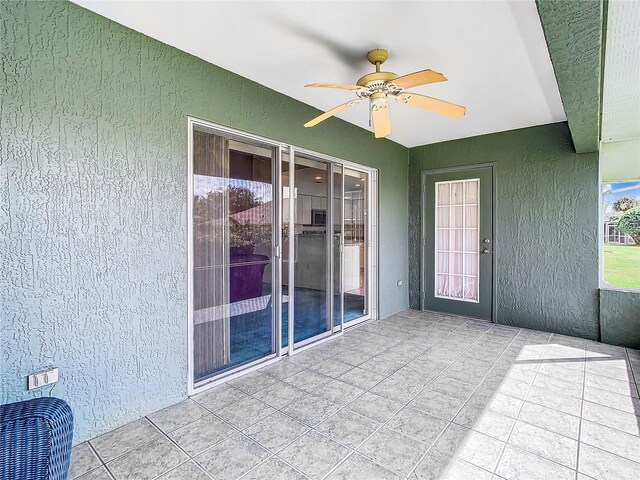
494, 54
620, 147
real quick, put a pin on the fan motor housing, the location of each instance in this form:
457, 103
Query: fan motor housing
376, 77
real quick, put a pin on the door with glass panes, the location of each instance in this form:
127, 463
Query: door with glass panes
458, 242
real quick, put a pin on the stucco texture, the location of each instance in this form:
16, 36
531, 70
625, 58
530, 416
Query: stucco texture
573, 30
546, 217
94, 201
620, 318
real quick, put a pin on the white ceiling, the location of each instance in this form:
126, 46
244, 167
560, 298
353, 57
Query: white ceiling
620, 148
493, 53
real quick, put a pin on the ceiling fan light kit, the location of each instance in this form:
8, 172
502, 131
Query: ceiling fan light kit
379, 86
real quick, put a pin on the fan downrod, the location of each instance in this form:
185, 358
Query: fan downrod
377, 57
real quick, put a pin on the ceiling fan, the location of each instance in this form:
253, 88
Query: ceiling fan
378, 86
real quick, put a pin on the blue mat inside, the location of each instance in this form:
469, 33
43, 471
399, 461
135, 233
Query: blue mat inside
251, 333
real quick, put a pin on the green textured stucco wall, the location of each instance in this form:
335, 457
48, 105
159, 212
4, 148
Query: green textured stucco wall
94, 200
620, 318
573, 30
546, 217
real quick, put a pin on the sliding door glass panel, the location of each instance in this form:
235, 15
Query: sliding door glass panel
336, 218
287, 205
233, 315
355, 244
312, 244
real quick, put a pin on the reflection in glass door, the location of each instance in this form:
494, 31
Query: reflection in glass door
312, 249
233, 314
288, 210
338, 244
355, 252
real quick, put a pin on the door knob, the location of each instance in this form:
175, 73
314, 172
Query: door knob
486, 250
487, 240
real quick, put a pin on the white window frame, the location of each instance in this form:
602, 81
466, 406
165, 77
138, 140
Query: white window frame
601, 243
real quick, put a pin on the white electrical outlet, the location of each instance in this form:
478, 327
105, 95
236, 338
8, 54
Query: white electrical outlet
37, 380
399, 283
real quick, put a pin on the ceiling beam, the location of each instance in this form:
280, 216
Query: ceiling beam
574, 33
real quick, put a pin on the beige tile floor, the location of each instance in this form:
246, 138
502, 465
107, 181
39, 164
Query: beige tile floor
418, 395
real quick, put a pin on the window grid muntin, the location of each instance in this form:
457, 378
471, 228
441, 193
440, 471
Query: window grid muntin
451, 229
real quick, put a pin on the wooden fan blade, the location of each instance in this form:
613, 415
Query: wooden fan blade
419, 78
332, 112
381, 121
342, 86
428, 103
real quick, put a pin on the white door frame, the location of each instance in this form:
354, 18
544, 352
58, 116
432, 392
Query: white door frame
372, 251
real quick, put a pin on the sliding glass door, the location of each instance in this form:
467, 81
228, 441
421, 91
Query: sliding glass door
312, 280
337, 221
233, 313
356, 243
312, 227
279, 250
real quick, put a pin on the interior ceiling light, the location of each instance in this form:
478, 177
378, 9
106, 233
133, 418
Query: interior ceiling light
379, 86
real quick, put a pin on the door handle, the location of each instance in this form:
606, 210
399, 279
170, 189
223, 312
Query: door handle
486, 251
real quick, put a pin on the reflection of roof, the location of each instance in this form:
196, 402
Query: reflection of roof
260, 215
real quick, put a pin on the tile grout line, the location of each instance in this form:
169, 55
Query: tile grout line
450, 422
383, 424
95, 452
580, 420
102, 464
189, 457
273, 456
614, 455
311, 428
106, 467
540, 363
419, 392
584, 386
128, 451
171, 440
520, 409
342, 406
345, 407
353, 451
236, 431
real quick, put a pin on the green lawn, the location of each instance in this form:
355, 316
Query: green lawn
622, 265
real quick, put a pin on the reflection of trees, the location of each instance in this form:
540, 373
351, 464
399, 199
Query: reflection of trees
241, 199
212, 206
249, 235
213, 211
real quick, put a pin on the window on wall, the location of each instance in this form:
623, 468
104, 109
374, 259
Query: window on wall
620, 232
